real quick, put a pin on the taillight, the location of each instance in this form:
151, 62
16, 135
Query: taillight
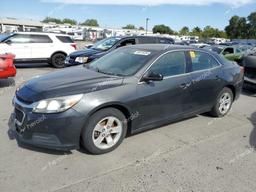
73, 45
242, 69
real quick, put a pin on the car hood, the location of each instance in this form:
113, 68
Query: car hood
85, 53
66, 82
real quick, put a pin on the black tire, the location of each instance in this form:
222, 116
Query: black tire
58, 60
215, 112
88, 131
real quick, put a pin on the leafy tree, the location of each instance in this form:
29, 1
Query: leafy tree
91, 22
197, 31
69, 21
129, 26
51, 19
162, 29
184, 31
252, 25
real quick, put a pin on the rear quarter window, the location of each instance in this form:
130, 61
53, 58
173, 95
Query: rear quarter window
65, 39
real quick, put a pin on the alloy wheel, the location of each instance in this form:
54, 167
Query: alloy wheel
107, 132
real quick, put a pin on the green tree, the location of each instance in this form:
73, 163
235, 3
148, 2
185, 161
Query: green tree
91, 22
251, 26
197, 31
162, 29
184, 31
51, 19
69, 21
129, 26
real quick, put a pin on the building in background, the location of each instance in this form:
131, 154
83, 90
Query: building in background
9, 25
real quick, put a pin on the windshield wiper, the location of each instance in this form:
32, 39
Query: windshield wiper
107, 73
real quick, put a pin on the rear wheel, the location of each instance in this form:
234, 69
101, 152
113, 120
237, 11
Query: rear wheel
105, 131
223, 103
58, 60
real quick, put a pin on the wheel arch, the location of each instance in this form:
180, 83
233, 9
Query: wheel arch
62, 52
233, 89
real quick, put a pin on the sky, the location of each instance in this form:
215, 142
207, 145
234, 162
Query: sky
113, 13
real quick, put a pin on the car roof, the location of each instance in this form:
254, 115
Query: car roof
161, 47
41, 33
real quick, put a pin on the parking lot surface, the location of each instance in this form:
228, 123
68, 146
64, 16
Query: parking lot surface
197, 154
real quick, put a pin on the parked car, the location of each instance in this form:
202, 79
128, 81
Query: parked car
107, 45
249, 63
132, 89
7, 68
35, 46
233, 53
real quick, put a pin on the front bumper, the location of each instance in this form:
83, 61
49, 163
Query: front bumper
59, 131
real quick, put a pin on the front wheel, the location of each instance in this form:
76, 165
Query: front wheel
105, 131
224, 103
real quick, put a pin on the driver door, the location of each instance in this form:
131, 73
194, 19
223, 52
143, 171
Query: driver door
164, 100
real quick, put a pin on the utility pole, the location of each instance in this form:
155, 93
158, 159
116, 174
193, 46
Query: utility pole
147, 19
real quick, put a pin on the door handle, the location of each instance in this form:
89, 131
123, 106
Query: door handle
184, 85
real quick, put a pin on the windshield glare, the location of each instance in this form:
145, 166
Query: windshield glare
105, 44
122, 62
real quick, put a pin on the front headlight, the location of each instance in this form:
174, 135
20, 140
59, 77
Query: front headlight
81, 59
57, 105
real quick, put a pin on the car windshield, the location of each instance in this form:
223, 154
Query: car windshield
122, 62
4, 37
105, 44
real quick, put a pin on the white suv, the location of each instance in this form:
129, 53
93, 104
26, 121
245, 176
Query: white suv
35, 46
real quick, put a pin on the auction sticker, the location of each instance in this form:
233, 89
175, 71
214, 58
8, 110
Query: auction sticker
192, 54
145, 53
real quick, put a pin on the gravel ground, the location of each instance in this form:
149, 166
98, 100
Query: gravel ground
200, 154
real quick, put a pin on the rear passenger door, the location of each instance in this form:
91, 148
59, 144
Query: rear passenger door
205, 81
41, 46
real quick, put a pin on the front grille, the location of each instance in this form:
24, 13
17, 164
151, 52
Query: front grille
19, 115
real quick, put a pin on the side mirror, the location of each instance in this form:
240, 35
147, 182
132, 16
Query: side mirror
151, 76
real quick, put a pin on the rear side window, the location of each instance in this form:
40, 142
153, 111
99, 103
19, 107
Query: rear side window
170, 64
40, 39
147, 40
202, 61
165, 41
65, 39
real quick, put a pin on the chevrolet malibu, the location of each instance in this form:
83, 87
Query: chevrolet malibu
130, 90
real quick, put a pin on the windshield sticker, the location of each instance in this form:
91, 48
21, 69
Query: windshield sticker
192, 54
145, 53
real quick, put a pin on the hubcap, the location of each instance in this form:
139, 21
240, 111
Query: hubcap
107, 132
225, 103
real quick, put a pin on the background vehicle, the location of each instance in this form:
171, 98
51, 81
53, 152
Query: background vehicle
7, 68
33, 46
249, 63
152, 86
109, 44
233, 53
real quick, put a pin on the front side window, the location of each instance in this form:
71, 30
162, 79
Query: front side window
170, 64
202, 61
18, 38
